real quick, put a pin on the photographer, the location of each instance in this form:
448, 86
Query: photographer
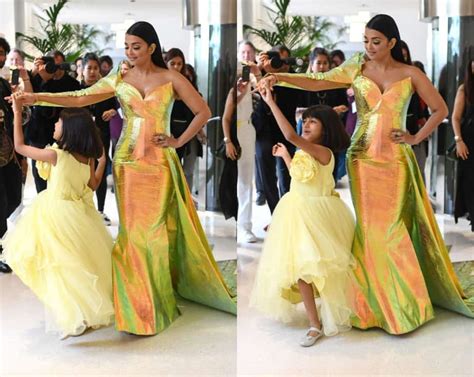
268, 132
4, 51
10, 166
49, 75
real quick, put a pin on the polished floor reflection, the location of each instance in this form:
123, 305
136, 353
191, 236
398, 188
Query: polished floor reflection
443, 346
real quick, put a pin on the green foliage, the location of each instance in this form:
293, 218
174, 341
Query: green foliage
72, 40
299, 33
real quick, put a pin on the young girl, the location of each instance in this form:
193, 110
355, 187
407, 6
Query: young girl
60, 247
307, 252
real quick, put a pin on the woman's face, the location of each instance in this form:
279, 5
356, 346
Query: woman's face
79, 67
124, 68
175, 64
91, 71
320, 64
138, 52
377, 46
312, 130
246, 53
336, 61
58, 129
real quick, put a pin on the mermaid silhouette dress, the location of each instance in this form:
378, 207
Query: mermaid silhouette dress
403, 267
161, 248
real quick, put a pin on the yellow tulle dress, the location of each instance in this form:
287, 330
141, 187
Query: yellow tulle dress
61, 249
310, 238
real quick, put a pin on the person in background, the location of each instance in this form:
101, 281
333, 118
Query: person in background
417, 116
463, 126
337, 58
101, 112
106, 65
79, 69
247, 54
181, 117
4, 51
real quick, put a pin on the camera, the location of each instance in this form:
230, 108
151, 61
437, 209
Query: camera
277, 62
51, 67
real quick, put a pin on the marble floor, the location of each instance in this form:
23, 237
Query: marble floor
205, 342
200, 343
442, 347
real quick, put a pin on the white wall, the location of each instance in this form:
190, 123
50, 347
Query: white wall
165, 15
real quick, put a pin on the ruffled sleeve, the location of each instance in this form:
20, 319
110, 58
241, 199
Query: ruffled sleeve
101, 90
303, 167
344, 74
43, 167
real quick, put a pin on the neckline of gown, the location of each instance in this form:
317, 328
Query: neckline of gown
144, 97
389, 86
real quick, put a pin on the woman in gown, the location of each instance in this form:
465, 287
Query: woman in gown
403, 265
161, 247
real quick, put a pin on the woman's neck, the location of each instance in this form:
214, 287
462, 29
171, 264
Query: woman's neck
145, 69
384, 63
89, 82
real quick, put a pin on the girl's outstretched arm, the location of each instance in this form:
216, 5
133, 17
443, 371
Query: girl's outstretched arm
96, 173
319, 152
38, 154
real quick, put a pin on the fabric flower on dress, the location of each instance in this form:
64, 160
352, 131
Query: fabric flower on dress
303, 167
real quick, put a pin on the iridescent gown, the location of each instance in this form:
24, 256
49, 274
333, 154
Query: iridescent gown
403, 265
161, 247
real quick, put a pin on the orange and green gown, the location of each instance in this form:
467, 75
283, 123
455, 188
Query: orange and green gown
161, 247
403, 267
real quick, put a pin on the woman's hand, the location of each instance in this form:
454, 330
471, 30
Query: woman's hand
24, 98
231, 151
201, 136
165, 141
265, 89
242, 85
109, 114
279, 150
267, 82
462, 151
402, 137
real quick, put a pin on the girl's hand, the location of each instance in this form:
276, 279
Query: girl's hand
462, 151
103, 158
109, 114
231, 151
165, 141
266, 90
279, 150
402, 137
340, 109
17, 103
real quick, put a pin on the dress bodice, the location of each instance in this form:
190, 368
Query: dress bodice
309, 177
68, 179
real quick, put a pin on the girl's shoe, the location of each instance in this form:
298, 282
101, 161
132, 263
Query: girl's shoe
308, 340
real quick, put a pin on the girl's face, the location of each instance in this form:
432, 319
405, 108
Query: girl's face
58, 129
246, 53
377, 46
320, 64
313, 130
175, 64
91, 71
138, 52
